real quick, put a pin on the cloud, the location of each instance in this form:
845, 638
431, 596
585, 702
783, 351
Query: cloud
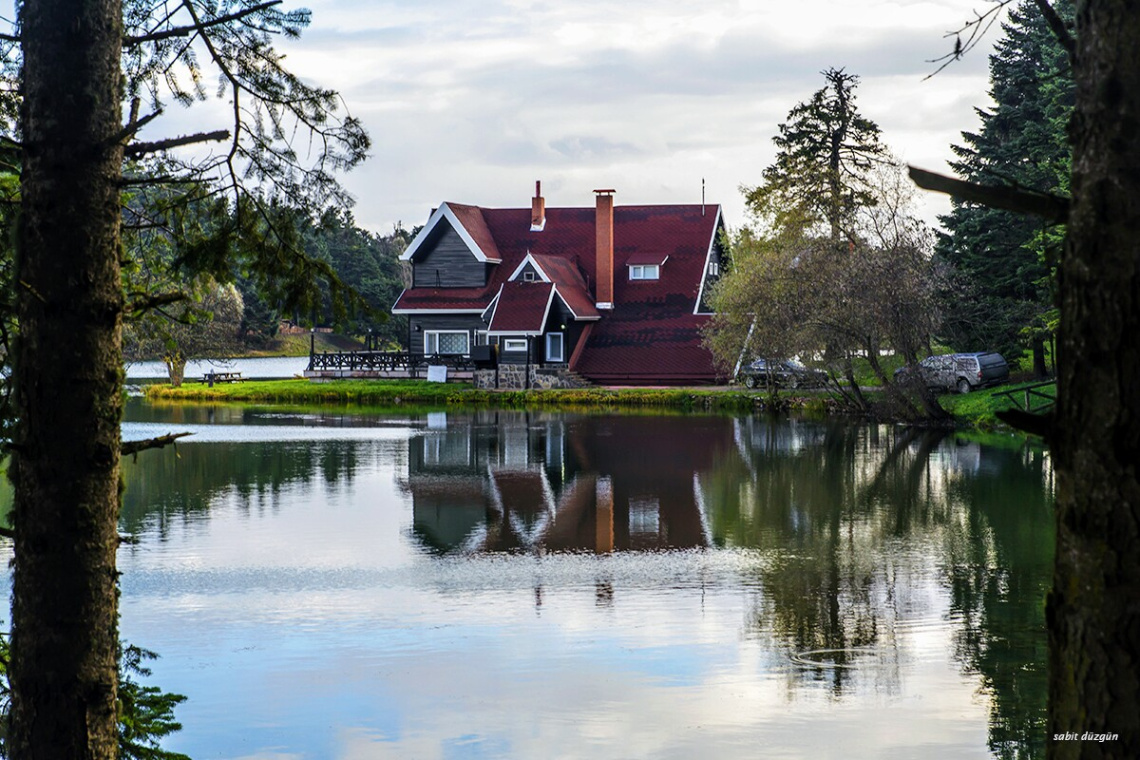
473, 101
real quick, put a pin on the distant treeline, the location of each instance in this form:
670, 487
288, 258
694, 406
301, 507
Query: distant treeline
364, 261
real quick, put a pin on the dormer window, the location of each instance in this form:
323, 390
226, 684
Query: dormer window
528, 275
645, 272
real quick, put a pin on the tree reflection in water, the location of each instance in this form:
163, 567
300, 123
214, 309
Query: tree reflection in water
856, 534
838, 507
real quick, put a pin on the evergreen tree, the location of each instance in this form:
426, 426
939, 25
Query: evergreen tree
1000, 296
367, 263
826, 151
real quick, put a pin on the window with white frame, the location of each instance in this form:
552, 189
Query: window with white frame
446, 342
554, 350
714, 268
644, 271
514, 345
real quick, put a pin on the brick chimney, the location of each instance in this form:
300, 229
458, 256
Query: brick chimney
604, 249
537, 209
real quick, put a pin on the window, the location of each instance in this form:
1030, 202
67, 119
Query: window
481, 338
714, 268
554, 343
514, 345
440, 342
528, 276
644, 271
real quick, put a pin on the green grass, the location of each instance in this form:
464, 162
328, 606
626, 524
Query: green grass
865, 377
978, 409
298, 391
420, 392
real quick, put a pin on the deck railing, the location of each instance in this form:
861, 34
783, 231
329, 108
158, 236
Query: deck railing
384, 361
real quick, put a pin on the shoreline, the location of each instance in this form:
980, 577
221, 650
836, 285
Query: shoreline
975, 410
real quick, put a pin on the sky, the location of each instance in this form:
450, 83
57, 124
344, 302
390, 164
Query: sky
472, 101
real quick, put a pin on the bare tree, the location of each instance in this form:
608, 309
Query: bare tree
795, 291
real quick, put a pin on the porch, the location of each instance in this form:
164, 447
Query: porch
334, 365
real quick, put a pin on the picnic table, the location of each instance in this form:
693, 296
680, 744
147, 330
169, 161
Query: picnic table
212, 377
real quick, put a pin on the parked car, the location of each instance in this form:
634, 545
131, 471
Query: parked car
960, 372
785, 373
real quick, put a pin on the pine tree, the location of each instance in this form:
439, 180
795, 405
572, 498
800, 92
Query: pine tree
826, 151
1002, 261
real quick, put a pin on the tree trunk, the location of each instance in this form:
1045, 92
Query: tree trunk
68, 382
175, 369
1040, 371
1094, 612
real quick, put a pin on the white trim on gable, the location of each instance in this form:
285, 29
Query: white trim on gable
571, 310
492, 307
529, 258
445, 212
705, 268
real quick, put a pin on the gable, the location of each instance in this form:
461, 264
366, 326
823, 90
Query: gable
444, 260
467, 223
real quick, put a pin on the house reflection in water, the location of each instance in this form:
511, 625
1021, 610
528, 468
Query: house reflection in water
502, 481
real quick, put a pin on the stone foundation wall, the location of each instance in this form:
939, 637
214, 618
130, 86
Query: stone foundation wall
514, 377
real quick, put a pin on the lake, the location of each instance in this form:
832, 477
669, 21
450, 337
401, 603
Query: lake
502, 584
262, 368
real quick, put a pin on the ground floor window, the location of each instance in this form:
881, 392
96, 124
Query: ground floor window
446, 342
514, 344
554, 347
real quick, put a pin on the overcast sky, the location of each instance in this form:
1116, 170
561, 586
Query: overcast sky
473, 100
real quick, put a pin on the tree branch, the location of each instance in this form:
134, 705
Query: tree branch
151, 302
186, 31
1057, 26
1052, 208
132, 127
162, 441
139, 149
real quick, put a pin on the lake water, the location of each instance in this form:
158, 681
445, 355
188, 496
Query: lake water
260, 368
538, 585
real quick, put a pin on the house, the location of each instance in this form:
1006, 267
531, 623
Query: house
612, 294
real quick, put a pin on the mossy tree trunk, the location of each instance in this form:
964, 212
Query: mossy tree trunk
68, 381
1094, 610
175, 368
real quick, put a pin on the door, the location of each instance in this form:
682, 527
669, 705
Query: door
554, 348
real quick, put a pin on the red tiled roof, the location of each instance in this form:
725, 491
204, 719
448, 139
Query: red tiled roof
522, 307
471, 217
646, 257
571, 287
659, 340
442, 299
